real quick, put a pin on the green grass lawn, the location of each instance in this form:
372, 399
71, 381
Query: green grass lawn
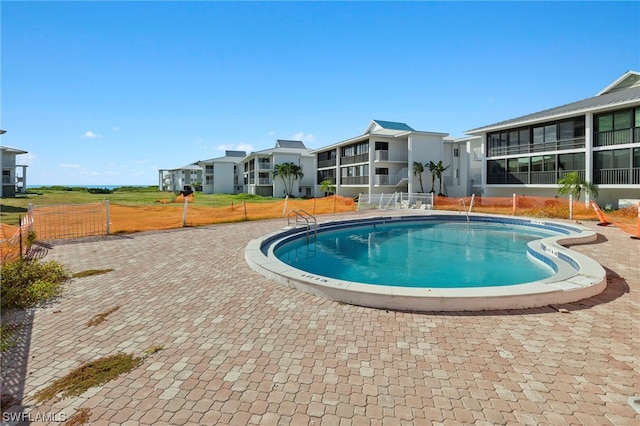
12, 208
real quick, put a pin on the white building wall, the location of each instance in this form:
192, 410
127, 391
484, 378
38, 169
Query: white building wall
223, 178
424, 148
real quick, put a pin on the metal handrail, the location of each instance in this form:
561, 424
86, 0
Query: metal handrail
464, 207
307, 217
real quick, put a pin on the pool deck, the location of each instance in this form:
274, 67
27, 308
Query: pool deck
241, 349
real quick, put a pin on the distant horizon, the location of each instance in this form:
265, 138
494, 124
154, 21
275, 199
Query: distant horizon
75, 185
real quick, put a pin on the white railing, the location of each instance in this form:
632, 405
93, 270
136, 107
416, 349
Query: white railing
392, 179
395, 200
385, 155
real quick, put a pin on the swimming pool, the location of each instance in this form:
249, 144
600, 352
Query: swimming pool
417, 254
515, 263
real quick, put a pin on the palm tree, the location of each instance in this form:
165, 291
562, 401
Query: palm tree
418, 169
438, 171
289, 172
327, 186
573, 184
432, 170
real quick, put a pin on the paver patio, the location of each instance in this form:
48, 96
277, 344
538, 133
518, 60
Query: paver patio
241, 349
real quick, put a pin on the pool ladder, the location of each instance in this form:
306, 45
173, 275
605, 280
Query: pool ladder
310, 221
463, 203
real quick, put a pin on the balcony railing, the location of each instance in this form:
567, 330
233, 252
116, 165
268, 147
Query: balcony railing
616, 137
543, 178
354, 180
264, 165
327, 163
264, 181
385, 155
559, 145
616, 176
530, 178
392, 180
352, 159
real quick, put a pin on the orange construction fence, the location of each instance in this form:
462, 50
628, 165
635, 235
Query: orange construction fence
14, 240
127, 219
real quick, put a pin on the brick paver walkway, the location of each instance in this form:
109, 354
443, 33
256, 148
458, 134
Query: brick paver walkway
241, 349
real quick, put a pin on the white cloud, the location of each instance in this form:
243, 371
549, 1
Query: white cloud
68, 166
236, 147
272, 133
300, 136
115, 129
90, 135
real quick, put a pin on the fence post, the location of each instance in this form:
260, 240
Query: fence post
30, 213
570, 206
514, 203
20, 233
184, 212
637, 236
108, 216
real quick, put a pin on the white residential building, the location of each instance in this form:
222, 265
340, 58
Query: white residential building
14, 176
223, 175
598, 137
380, 160
258, 170
186, 178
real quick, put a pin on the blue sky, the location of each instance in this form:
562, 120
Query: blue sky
107, 93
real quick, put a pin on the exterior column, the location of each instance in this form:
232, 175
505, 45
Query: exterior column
483, 172
588, 152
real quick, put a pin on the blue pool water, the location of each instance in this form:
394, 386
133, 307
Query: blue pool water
435, 254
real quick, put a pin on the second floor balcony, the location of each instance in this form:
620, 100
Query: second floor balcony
393, 156
352, 159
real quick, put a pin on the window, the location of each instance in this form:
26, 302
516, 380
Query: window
208, 180
456, 152
571, 162
550, 133
382, 146
615, 128
382, 171
614, 159
209, 168
6, 177
536, 164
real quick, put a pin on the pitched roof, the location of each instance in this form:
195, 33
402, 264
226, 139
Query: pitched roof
282, 143
624, 90
393, 125
229, 157
13, 150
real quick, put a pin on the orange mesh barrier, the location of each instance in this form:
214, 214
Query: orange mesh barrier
549, 207
14, 238
124, 219
9, 244
627, 219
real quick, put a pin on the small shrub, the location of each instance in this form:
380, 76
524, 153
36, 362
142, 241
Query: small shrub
88, 375
80, 417
98, 319
99, 191
90, 273
26, 284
